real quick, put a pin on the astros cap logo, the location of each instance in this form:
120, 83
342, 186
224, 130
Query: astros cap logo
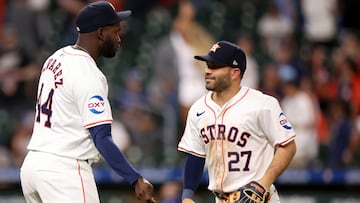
214, 47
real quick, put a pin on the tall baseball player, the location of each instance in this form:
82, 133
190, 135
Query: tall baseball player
73, 117
240, 133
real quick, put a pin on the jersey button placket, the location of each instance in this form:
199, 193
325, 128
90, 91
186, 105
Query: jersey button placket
219, 152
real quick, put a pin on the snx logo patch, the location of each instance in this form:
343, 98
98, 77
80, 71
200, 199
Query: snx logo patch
96, 104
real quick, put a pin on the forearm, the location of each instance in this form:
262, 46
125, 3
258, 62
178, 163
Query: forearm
281, 160
112, 155
194, 167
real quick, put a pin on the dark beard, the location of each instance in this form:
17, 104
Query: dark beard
108, 48
221, 83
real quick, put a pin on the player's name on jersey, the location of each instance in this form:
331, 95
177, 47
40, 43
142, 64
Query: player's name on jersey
55, 67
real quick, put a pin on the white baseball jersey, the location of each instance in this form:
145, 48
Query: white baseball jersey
72, 96
237, 139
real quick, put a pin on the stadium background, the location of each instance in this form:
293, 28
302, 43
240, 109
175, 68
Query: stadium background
152, 20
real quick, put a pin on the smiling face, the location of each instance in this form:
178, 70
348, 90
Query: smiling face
218, 77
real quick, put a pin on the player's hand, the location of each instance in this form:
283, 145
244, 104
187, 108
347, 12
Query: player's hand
144, 191
187, 200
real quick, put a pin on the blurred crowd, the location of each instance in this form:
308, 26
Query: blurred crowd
305, 53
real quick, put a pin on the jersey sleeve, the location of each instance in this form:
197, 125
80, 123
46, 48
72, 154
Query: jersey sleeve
274, 123
191, 142
91, 94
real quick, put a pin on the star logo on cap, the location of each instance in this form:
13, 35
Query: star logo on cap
214, 47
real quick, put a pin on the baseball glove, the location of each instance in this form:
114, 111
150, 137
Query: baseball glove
252, 192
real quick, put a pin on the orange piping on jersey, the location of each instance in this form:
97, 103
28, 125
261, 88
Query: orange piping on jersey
209, 106
214, 123
222, 141
82, 181
286, 141
236, 101
91, 124
86, 55
224, 165
191, 152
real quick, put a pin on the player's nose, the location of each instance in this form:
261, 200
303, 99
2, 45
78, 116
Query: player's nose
118, 44
208, 70
118, 39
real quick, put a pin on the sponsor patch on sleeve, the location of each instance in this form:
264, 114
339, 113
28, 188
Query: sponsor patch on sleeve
96, 104
284, 122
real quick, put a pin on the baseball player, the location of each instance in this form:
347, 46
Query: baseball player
73, 117
240, 133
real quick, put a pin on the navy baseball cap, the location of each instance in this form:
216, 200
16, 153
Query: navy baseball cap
227, 54
98, 14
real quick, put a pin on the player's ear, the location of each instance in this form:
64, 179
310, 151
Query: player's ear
100, 33
236, 72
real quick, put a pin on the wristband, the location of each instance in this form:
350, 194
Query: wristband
187, 193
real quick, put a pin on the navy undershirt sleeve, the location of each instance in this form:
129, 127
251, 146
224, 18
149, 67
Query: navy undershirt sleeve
101, 135
194, 167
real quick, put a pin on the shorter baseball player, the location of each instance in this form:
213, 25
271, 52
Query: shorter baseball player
240, 133
73, 117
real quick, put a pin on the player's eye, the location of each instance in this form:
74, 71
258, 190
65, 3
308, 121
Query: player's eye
215, 66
